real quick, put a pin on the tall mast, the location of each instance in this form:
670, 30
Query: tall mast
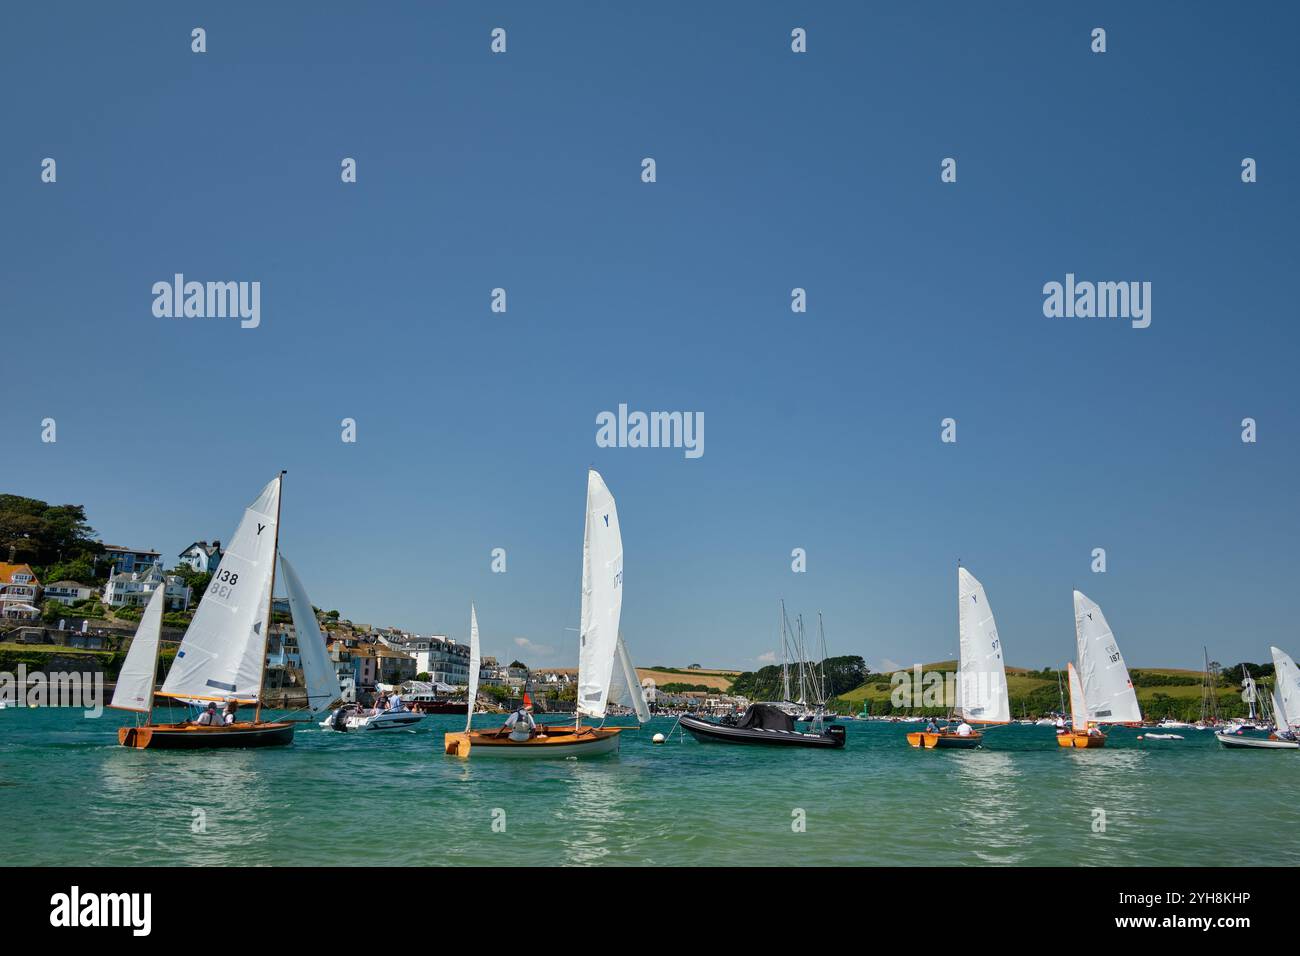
266, 628
785, 660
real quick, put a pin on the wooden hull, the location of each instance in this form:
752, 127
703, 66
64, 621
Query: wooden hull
1080, 741
557, 744
944, 740
194, 737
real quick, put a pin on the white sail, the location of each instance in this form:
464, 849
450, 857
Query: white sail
625, 687
1280, 720
602, 597
317, 670
222, 653
135, 682
475, 662
981, 673
1078, 710
1286, 680
1107, 689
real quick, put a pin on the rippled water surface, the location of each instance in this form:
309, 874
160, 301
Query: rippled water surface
72, 796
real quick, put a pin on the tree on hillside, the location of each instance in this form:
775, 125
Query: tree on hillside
40, 533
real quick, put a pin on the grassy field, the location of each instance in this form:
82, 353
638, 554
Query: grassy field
1033, 694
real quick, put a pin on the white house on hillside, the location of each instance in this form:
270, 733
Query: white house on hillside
202, 556
136, 587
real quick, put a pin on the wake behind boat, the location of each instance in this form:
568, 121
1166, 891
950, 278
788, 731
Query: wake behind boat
763, 724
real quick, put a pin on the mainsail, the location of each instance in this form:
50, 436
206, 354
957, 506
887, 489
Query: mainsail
1078, 710
322, 681
625, 686
222, 653
981, 673
1286, 685
602, 597
134, 690
475, 662
1107, 689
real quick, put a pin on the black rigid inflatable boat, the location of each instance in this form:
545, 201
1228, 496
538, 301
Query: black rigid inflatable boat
762, 724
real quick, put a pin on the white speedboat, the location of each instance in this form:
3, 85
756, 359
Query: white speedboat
1170, 724
1271, 742
360, 719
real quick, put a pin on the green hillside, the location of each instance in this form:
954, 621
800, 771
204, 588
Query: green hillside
1161, 692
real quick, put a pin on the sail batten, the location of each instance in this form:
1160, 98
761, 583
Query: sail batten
222, 654
602, 597
135, 682
1108, 694
981, 672
318, 672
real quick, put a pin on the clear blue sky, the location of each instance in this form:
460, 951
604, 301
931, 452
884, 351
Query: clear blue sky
774, 171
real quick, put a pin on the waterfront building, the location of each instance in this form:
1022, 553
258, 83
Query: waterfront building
67, 592
19, 593
134, 588
127, 559
202, 556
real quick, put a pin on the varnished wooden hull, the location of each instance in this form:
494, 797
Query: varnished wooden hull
1080, 741
558, 743
194, 737
944, 741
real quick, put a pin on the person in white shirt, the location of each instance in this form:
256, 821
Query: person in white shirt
395, 703
232, 709
963, 729
520, 724
209, 717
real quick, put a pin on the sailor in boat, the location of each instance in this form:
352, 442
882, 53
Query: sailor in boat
520, 724
932, 727
209, 717
232, 712
963, 729
1060, 725
395, 704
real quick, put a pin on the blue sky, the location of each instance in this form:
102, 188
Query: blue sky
775, 170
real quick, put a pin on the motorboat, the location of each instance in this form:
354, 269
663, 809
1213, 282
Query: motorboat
351, 717
762, 724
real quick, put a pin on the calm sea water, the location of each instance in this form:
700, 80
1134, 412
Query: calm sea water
72, 796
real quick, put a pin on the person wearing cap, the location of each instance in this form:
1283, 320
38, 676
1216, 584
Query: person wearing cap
209, 717
521, 724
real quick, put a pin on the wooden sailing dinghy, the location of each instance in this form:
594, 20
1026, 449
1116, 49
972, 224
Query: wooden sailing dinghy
605, 671
222, 657
1103, 693
981, 672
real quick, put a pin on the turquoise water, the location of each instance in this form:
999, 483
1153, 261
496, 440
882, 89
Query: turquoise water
72, 796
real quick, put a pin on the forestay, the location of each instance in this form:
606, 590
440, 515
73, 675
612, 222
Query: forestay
221, 655
1107, 689
602, 597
